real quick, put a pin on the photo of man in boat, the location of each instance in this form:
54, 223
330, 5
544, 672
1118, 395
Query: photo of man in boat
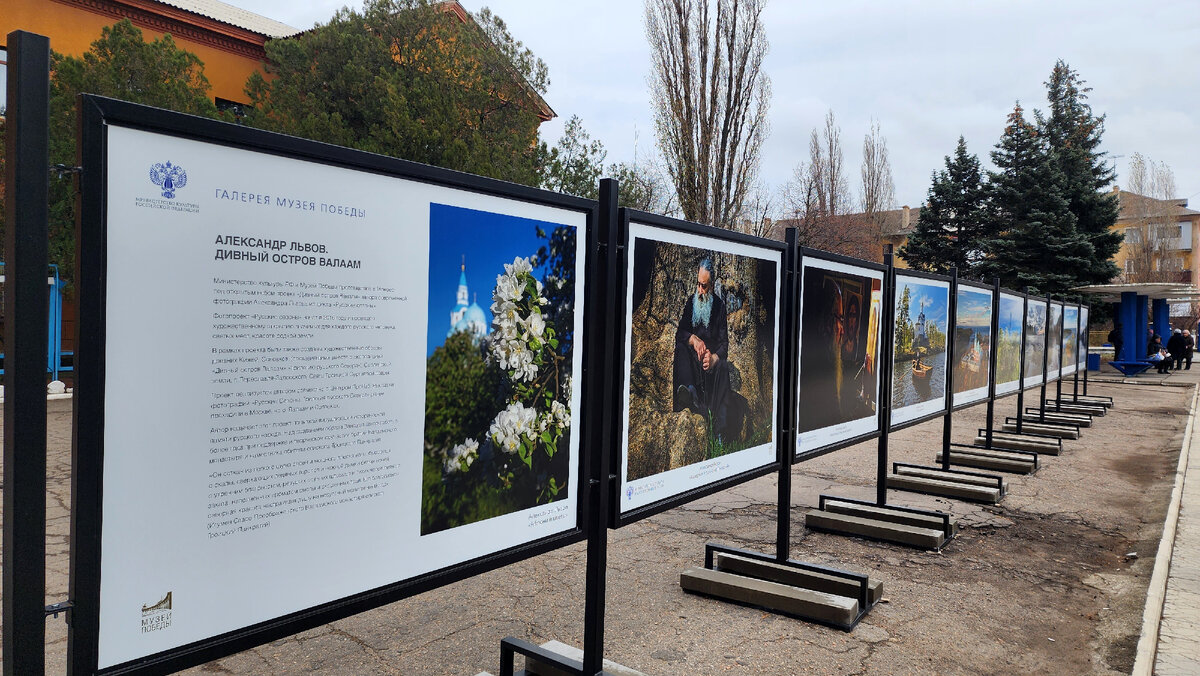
920, 343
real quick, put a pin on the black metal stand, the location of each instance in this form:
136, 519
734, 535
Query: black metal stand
27, 184
988, 457
879, 520
599, 480
779, 583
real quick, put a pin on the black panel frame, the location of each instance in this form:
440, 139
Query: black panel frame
804, 254
995, 342
620, 286
96, 114
905, 272
1020, 354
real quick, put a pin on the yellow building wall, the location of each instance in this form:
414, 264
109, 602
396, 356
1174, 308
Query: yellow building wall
72, 30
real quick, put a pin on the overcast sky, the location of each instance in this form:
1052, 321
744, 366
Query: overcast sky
928, 71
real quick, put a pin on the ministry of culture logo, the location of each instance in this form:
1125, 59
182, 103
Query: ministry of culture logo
169, 177
157, 616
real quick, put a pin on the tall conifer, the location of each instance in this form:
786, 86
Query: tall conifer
1036, 242
1073, 132
953, 222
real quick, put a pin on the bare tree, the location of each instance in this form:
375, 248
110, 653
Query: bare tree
817, 199
1152, 238
755, 217
710, 98
878, 188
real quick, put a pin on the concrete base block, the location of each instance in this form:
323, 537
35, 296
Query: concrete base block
1044, 428
888, 515
1077, 409
795, 577
845, 524
1055, 418
819, 606
949, 489
535, 667
952, 476
1000, 461
1106, 402
1020, 442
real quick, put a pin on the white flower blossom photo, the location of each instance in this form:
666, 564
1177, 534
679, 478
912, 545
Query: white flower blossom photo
498, 381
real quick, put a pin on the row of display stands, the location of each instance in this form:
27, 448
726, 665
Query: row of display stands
842, 598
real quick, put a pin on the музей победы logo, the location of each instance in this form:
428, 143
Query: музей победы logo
169, 177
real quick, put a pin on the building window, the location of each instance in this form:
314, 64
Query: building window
1133, 235
3, 79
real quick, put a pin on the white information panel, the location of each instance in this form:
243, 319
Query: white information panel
266, 439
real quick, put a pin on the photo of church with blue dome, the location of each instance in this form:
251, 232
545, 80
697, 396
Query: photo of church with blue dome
498, 390
470, 318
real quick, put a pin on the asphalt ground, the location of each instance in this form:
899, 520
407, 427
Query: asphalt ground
1052, 580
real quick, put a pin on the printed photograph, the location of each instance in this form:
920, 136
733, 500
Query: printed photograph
702, 355
1070, 337
1083, 337
920, 343
1035, 339
972, 339
1053, 360
1008, 348
839, 347
501, 318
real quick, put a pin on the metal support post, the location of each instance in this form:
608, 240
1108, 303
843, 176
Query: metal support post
600, 481
789, 415
951, 330
27, 185
1045, 368
992, 361
887, 346
1021, 378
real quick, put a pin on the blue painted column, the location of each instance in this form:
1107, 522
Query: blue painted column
1128, 317
1162, 318
1143, 336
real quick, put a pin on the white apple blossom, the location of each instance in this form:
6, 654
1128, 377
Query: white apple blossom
460, 458
511, 425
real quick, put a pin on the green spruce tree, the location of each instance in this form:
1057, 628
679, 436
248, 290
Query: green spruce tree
1073, 133
1035, 243
953, 223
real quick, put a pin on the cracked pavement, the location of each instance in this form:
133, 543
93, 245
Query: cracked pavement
1039, 584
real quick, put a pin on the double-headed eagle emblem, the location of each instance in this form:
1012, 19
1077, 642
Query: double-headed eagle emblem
169, 177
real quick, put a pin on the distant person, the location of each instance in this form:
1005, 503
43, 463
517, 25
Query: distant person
1189, 344
1153, 345
1175, 347
1118, 341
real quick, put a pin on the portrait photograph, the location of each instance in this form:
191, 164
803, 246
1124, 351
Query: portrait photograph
839, 352
972, 358
701, 342
919, 357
